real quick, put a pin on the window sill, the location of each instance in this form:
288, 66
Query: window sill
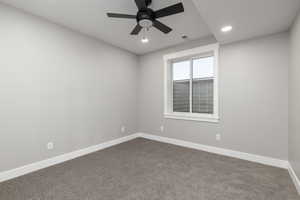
192, 117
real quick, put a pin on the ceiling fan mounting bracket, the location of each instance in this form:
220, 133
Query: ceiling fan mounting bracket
148, 2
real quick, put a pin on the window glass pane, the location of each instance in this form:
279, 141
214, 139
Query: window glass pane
181, 96
203, 86
181, 70
181, 86
203, 96
203, 67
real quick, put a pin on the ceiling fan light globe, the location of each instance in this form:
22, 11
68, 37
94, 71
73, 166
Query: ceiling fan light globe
144, 40
145, 23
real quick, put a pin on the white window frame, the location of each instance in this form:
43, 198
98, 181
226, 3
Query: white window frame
212, 49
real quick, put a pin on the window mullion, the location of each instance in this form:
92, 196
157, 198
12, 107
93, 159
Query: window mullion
191, 85
172, 92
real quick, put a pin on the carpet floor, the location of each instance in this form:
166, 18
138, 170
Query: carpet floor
146, 170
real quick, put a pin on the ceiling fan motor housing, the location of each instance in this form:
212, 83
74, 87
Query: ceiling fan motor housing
145, 17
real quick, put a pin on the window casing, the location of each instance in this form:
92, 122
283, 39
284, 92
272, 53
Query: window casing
191, 84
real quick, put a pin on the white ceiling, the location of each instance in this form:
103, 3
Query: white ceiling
249, 18
89, 17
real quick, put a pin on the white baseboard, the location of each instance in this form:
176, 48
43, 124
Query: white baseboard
294, 177
10, 174
235, 154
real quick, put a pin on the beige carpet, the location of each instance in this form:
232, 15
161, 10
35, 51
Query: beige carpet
147, 170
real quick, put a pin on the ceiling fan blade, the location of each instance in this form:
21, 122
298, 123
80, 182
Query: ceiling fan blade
160, 26
170, 10
141, 4
119, 15
136, 30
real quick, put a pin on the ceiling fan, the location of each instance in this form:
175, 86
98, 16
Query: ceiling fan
147, 18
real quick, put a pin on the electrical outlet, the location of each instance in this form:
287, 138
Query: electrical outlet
162, 128
218, 137
50, 146
123, 129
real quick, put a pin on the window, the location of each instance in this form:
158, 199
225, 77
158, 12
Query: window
191, 81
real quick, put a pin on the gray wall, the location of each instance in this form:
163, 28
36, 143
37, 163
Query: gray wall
253, 98
57, 85
294, 98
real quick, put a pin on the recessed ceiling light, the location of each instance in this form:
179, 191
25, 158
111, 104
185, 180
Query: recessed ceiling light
226, 29
144, 40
